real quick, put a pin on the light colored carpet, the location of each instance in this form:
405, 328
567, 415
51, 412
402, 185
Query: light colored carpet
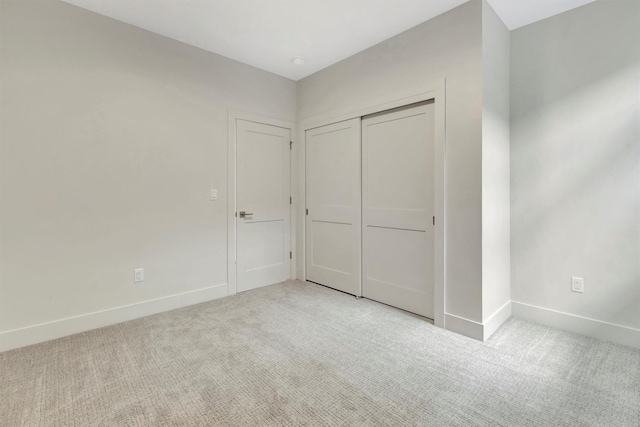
297, 354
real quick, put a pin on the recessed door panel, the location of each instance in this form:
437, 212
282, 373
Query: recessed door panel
333, 221
396, 257
397, 200
265, 245
399, 156
331, 248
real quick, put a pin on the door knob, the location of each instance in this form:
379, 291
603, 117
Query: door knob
245, 214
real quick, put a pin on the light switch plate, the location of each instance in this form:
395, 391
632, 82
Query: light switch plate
138, 275
214, 194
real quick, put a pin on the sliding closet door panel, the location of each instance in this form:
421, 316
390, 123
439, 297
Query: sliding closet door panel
398, 202
333, 222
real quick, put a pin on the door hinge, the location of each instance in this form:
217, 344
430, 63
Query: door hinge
290, 200
307, 211
290, 145
434, 220
290, 255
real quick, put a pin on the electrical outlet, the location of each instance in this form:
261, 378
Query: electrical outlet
577, 284
138, 275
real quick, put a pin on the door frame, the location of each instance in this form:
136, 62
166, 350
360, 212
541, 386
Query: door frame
232, 118
434, 90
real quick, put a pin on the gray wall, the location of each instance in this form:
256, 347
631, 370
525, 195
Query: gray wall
448, 46
111, 139
496, 280
575, 162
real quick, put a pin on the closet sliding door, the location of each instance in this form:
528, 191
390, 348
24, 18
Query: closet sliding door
333, 202
398, 208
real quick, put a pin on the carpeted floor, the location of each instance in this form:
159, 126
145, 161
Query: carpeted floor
298, 354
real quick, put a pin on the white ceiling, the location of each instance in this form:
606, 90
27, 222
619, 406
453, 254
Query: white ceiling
518, 13
268, 34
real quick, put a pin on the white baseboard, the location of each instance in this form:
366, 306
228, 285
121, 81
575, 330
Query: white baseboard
496, 320
618, 334
477, 330
72, 325
463, 326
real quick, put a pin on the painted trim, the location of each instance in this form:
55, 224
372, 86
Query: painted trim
496, 320
477, 330
400, 99
606, 331
463, 326
435, 90
440, 190
42, 332
232, 118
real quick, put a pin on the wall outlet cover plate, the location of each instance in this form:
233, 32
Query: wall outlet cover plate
577, 284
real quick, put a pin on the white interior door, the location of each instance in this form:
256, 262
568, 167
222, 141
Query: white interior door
262, 204
333, 192
398, 208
